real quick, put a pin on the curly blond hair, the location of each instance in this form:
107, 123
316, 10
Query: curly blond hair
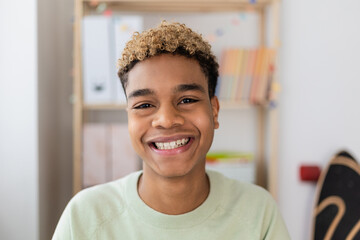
169, 38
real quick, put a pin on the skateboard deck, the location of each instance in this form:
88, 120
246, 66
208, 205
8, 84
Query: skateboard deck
337, 207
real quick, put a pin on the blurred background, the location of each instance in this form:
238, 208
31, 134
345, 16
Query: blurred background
318, 112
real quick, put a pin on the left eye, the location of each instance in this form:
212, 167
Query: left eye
188, 100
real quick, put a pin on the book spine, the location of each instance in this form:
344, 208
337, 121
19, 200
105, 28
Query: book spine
242, 75
237, 73
256, 76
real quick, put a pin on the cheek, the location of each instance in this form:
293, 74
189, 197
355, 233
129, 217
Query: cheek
132, 134
205, 124
135, 129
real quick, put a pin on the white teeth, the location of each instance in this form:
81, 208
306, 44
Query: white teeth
173, 144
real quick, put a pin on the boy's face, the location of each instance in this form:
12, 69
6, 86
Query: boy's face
171, 117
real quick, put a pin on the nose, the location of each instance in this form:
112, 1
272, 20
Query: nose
167, 116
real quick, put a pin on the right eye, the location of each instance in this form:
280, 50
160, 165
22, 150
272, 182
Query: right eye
143, 106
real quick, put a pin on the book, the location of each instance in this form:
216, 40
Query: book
229, 156
232, 74
272, 87
239, 172
237, 165
223, 72
260, 94
242, 76
239, 62
246, 75
249, 73
256, 75
230, 58
265, 78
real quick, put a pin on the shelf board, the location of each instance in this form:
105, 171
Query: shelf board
110, 106
240, 105
179, 5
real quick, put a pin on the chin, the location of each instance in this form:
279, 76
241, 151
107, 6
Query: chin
172, 173
177, 171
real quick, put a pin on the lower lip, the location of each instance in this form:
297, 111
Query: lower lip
168, 152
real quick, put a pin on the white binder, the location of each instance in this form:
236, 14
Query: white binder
98, 60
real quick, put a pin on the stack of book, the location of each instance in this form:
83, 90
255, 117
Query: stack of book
246, 75
236, 165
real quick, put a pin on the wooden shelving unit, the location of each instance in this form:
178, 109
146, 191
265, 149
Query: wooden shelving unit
266, 170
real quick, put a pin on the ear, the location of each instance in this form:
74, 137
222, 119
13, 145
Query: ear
215, 110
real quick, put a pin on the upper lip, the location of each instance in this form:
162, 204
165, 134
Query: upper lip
168, 138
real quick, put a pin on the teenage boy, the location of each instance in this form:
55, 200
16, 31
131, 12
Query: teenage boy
169, 76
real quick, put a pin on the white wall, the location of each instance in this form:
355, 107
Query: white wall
319, 112
18, 120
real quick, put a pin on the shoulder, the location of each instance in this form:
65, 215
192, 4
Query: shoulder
111, 194
94, 207
251, 206
242, 200
238, 191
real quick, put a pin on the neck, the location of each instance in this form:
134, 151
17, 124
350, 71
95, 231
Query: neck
173, 196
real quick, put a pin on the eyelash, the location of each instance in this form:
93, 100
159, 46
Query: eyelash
183, 101
188, 101
143, 106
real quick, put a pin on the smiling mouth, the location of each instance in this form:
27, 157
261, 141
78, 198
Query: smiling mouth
172, 144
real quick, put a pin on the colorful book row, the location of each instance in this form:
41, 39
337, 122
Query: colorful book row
229, 157
237, 165
246, 75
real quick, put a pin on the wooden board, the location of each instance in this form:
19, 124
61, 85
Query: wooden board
180, 5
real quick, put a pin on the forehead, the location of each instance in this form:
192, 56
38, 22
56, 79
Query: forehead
165, 72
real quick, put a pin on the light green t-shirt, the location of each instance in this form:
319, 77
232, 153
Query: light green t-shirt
114, 210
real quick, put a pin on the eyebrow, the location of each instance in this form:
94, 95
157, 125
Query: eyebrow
141, 93
189, 87
179, 88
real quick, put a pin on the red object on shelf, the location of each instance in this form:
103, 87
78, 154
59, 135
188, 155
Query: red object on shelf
310, 173
107, 13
